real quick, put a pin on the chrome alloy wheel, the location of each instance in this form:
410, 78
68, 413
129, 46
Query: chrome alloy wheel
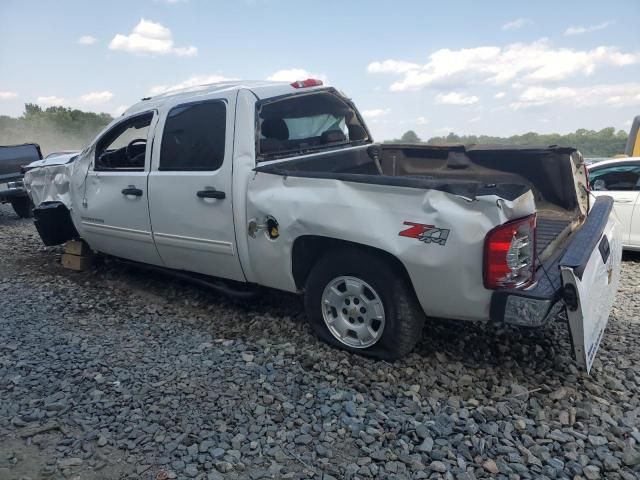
353, 312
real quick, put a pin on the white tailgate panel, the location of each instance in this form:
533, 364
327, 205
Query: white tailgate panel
596, 292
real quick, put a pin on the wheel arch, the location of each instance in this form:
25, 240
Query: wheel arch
308, 249
54, 224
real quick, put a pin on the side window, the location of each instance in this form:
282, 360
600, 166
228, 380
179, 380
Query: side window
193, 137
124, 146
615, 178
303, 123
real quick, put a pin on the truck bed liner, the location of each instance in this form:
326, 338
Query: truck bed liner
547, 230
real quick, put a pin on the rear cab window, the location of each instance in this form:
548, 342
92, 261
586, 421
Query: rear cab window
302, 123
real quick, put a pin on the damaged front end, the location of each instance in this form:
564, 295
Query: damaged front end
48, 183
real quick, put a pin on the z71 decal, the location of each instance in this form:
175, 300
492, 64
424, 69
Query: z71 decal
425, 233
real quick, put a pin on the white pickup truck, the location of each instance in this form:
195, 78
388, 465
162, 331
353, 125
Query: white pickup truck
281, 185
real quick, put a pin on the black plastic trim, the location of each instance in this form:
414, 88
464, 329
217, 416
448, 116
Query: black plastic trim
465, 188
54, 224
588, 237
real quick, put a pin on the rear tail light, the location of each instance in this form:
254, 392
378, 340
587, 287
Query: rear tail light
309, 82
509, 254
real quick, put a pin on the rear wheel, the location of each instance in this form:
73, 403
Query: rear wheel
358, 301
22, 206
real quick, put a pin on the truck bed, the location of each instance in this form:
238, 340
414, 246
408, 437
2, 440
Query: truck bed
549, 229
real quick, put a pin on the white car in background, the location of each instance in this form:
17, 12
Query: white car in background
620, 179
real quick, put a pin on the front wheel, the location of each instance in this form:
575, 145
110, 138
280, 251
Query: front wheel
22, 206
360, 302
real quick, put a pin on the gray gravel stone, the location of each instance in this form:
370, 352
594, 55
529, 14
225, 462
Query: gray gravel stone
591, 472
128, 371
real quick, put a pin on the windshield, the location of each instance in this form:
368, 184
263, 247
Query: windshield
311, 122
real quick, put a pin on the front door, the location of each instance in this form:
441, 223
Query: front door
114, 212
190, 189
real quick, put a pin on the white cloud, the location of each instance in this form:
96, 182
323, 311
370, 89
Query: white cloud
293, 74
151, 38
392, 66
6, 95
87, 40
591, 28
193, 81
516, 24
422, 121
96, 98
610, 95
500, 95
50, 101
375, 113
519, 62
120, 110
455, 98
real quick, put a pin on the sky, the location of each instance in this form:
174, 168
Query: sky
491, 67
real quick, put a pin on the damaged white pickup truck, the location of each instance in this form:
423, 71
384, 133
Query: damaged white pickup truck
280, 185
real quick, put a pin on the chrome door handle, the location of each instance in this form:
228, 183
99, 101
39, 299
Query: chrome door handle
623, 200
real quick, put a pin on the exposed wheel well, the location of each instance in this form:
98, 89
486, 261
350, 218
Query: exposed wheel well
307, 249
54, 224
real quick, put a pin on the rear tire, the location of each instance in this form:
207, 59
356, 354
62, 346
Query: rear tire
22, 206
357, 301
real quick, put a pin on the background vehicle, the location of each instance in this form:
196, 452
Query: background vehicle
620, 179
281, 185
12, 158
633, 142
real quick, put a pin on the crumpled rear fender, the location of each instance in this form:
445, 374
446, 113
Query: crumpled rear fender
437, 236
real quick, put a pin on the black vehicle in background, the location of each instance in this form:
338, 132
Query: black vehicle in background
12, 159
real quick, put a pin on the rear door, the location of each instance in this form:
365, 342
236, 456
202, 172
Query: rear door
590, 274
190, 189
620, 181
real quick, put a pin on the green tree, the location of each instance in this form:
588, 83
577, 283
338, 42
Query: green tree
604, 143
53, 128
410, 137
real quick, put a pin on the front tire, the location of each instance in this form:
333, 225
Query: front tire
22, 206
358, 301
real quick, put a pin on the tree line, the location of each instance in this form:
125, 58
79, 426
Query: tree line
62, 128
603, 143
53, 128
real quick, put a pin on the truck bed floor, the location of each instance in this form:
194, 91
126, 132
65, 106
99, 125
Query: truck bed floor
547, 231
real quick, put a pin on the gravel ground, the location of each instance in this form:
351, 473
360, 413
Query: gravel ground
116, 373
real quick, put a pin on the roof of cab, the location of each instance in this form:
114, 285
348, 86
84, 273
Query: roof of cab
261, 88
614, 161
